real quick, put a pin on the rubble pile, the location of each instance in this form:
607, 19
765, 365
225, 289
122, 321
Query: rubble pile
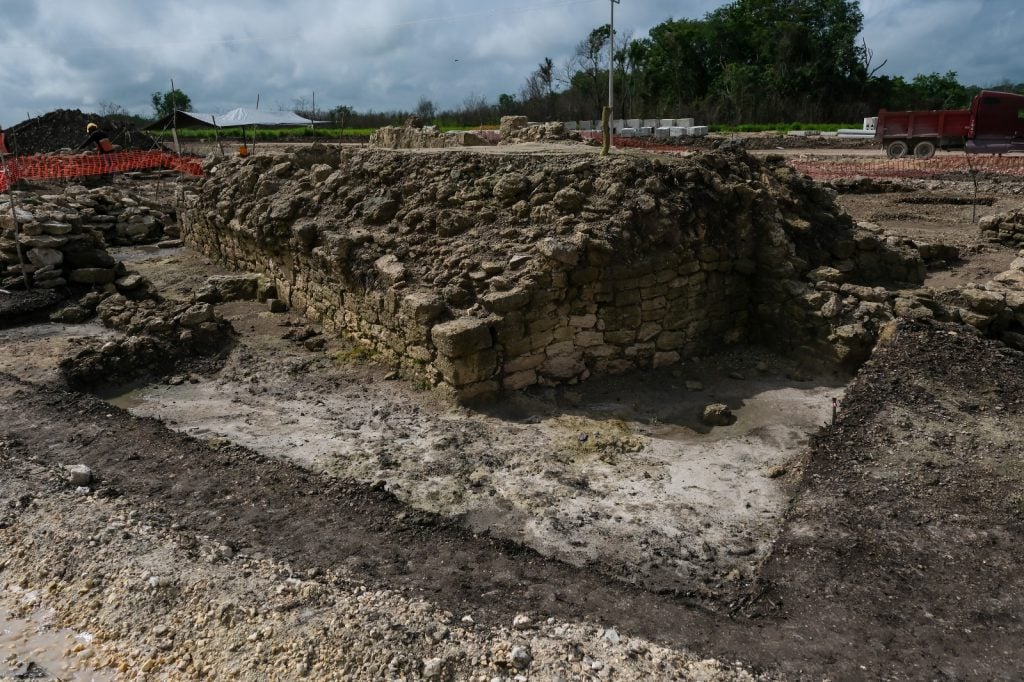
158, 336
428, 137
65, 129
63, 237
480, 272
517, 129
1005, 228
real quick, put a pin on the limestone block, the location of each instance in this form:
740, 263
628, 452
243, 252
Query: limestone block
519, 380
524, 363
468, 369
601, 352
563, 366
482, 388
319, 172
558, 250
505, 301
390, 269
92, 276
195, 315
461, 337
423, 307
647, 331
621, 338
583, 321
639, 350
984, 302
236, 287
55, 228
664, 359
43, 257
42, 241
670, 340
569, 200
588, 339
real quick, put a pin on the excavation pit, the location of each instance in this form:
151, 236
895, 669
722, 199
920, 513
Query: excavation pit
617, 474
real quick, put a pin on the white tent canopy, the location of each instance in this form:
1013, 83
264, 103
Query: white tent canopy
249, 117
233, 119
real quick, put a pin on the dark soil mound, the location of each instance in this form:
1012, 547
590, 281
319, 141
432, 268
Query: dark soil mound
65, 128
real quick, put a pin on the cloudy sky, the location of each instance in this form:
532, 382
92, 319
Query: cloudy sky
387, 54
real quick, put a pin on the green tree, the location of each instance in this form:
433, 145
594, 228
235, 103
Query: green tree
935, 91
164, 103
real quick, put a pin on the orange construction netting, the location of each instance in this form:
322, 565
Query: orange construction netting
62, 167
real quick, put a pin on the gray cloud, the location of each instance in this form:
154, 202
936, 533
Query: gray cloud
386, 54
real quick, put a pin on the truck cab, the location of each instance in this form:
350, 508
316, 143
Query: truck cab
997, 123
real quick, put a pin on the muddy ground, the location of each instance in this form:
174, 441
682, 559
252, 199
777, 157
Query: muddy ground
636, 542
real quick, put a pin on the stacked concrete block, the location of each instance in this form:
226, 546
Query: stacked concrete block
684, 122
697, 131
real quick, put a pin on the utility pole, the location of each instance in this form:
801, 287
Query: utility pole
606, 115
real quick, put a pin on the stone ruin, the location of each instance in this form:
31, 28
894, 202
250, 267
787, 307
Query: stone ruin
483, 272
63, 236
513, 130
1005, 228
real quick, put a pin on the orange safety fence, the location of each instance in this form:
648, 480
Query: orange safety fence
825, 169
66, 166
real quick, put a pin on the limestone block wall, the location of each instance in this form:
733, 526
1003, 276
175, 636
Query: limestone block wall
485, 272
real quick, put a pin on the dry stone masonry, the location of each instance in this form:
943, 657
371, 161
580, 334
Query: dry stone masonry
1006, 228
63, 236
481, 272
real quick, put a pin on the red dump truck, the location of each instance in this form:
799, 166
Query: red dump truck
993, 125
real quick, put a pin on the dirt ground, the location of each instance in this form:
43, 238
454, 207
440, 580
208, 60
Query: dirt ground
348, 517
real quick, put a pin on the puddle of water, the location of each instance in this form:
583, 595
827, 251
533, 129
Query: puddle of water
33, 648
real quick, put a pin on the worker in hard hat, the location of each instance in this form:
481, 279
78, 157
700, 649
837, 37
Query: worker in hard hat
97, 136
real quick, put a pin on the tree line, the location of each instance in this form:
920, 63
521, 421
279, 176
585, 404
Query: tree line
750, 61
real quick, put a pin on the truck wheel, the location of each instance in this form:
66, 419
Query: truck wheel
924, 149
897, 149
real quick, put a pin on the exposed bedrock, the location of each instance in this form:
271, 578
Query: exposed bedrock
480, 271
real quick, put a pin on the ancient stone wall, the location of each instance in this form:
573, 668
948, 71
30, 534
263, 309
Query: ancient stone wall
63, 236
409, 137
483, 271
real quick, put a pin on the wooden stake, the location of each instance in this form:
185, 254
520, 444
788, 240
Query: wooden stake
174, 120
216, 136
